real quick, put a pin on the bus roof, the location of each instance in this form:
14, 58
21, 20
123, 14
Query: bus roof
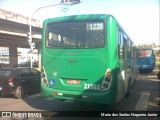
82, 16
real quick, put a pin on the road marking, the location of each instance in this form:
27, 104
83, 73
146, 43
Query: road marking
143, 101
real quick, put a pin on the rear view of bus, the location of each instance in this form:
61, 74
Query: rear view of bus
146, 60
80, 58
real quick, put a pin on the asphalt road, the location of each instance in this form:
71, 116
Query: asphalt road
145, 96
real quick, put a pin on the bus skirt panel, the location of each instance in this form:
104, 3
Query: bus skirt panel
103, 97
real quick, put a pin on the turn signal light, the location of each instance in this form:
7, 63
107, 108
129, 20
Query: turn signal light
44, 77
108, 73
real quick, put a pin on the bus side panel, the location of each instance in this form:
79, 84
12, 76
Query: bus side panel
112, 51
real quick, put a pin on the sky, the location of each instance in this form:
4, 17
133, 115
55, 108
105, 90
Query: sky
139, 18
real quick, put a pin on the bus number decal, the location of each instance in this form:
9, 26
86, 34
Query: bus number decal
95, 26
91, 86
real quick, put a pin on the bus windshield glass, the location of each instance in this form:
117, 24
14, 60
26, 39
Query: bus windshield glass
79, 34
145, 53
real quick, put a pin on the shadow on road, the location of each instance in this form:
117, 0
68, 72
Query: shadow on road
49, 104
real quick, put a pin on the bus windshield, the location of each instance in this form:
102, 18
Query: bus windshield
145, 53
79, 34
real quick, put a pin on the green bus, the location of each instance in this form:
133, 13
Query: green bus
88, 58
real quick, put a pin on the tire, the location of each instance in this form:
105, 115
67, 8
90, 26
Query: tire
128, 90
128, 93
19, 92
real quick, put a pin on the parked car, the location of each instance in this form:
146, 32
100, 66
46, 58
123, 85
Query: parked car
19, 81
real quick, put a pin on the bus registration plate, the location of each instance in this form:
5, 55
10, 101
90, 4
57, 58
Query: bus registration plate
76, 82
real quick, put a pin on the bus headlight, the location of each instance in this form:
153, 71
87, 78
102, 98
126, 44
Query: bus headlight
106, 80
44, 77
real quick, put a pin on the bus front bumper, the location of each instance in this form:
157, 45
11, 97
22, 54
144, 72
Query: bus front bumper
105, 97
